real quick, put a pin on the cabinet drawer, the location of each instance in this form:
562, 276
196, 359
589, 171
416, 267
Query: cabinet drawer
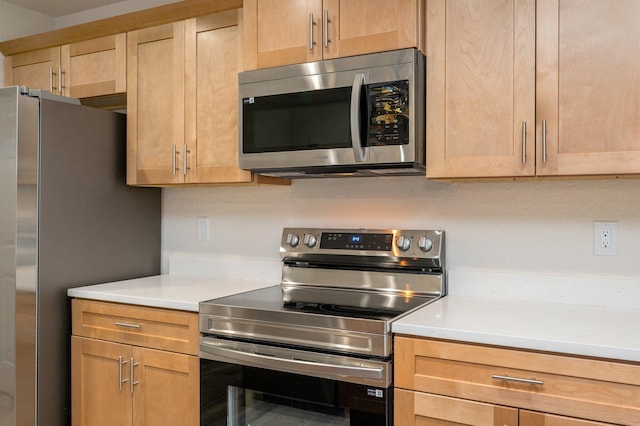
157, 328
597, 389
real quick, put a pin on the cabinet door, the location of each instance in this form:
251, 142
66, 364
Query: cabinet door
417, 408
588, 60
357, 27
39, 69
94, 67
481, 88
166, 388
155, 105
530, 418
281, 32
212, 56
101, 392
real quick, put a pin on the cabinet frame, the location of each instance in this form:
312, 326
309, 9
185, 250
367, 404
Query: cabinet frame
108, 53
579, 387
39, 69
324, 35
134, 365
561, 79
517, 148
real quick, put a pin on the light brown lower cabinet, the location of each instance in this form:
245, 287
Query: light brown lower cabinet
419, 408
452, 383
118, 383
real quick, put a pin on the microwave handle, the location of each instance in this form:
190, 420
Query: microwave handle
356, 141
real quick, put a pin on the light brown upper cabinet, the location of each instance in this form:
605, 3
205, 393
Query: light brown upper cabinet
182, 102
94, 67
38, 69
283, 32
525, 88
79, 70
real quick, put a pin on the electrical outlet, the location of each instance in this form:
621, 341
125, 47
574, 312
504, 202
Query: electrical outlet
202, 228
605, 238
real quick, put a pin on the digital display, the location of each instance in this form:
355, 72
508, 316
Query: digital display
354, 241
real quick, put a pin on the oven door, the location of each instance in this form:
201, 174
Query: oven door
250, 384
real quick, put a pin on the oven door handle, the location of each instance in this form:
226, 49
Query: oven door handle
356, 138
291, 365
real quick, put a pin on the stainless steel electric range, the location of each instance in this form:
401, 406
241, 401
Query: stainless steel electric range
317, 348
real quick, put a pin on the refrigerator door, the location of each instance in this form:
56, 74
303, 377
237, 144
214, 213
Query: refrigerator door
67, 219
18, 179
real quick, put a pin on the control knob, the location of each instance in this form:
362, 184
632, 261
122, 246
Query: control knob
425, 244
293, 240
310, 240
403, 243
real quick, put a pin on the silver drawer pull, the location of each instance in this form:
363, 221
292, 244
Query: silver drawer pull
128, 325
517, 379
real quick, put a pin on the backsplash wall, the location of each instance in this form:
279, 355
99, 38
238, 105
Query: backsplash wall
536, 227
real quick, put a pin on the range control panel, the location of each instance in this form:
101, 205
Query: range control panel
356, 241
390, 243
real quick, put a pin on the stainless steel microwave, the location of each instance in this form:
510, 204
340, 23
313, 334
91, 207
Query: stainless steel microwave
356, 116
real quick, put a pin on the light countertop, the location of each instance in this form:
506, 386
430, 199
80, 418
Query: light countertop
606, 332
556, 322
167, 291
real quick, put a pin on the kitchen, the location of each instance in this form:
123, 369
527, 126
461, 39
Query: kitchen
525, 232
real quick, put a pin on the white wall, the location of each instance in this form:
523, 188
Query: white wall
537, 227
115, 9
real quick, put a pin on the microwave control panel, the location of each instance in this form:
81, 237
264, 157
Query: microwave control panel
388, 113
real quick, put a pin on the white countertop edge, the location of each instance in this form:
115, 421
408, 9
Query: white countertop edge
181, 292
593, 331
134, 300
555, 346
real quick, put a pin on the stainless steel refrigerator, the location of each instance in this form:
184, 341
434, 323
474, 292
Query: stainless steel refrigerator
67, 219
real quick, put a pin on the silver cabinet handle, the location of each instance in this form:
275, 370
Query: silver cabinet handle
516, 379
127, 325
358, 82
174, 164
132, 382
51, 76
61, 84
311, 24
524, 142
544, 141
120, 379
184, 160
325, 28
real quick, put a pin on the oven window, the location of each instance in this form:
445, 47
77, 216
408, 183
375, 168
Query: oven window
248, 407
235, 395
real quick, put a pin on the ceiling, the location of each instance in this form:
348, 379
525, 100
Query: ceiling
57, 8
